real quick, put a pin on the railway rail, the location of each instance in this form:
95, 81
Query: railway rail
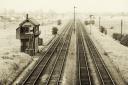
84, 74
33, 77
102, 71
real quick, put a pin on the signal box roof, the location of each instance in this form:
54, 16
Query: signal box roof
31, 20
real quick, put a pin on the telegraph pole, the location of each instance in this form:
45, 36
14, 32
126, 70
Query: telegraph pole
121, 26
90, 22
74, 17
5, 18
99, 22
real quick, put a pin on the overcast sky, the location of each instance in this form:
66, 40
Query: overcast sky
66, 5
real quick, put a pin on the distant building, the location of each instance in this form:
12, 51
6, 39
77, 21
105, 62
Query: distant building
28, 33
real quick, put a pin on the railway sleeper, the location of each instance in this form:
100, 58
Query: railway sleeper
85, 82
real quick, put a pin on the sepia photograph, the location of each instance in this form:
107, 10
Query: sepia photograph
63, 42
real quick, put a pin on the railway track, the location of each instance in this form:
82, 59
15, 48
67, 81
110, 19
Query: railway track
101, 69
55, 75
33, 77
84, 75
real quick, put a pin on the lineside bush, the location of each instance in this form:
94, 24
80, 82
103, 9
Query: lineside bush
86, 22
117, 36
103, 30
124, 40
54, 30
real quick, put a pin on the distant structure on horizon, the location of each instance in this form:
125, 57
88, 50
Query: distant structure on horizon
28, 33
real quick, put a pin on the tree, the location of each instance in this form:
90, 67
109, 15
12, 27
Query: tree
54, 30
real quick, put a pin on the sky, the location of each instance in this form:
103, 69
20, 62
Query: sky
66, 5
